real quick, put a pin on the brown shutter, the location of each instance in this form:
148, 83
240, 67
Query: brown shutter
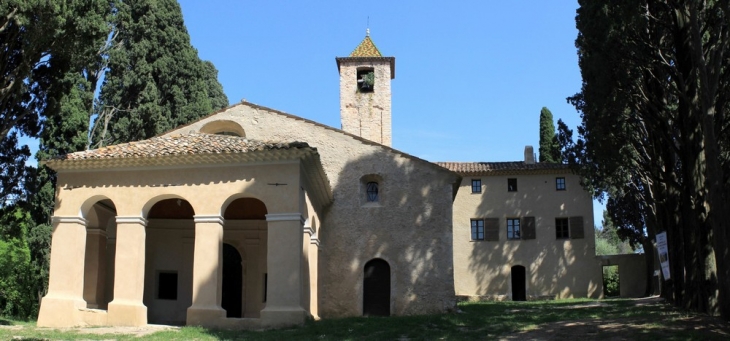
491, 229
576, 228
528, 230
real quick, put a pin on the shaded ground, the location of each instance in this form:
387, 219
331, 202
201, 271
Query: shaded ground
616, 319
674, 326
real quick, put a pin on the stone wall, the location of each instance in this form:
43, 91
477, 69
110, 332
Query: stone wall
409, 227
366, 114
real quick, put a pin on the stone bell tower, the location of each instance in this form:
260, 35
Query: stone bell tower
365, 92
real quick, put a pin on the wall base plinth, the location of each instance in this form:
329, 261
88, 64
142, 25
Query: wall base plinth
60, 312
205, 316
127, 314
272, 317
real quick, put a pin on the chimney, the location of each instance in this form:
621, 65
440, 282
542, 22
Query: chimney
529, 155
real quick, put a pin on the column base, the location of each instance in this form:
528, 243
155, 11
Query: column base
60, 312
128, 314
205, 316
283, 316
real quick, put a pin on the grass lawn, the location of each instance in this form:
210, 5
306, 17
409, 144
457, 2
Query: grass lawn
617, 319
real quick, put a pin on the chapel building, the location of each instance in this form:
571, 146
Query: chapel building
254, 218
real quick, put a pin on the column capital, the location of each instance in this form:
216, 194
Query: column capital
131, 220
314, 239
216, 219
55, 220
286, 217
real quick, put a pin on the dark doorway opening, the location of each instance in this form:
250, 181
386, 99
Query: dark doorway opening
611, 281
376, 288
232, 281
518, 283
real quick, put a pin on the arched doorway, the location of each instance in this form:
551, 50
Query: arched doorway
246, 228
169, 250
99, 254
376, 288
232, 281
518, 283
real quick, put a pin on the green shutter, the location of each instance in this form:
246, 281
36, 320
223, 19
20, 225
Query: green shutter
576, 228
491, 229
528, 228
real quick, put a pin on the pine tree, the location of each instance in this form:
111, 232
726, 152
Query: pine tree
156, 81
549, 147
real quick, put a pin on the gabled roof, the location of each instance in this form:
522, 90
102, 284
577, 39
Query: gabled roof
189, 144
366, 49
194, 149
504, 168
177, 150
432, 165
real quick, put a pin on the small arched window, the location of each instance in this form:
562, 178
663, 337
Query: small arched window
372, 191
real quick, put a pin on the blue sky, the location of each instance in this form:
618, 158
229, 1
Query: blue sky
471, 76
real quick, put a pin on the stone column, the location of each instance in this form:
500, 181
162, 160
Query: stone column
284, 268
127, 308
60, 307
207, 272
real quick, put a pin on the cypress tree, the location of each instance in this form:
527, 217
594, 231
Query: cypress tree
549, 147
156, 81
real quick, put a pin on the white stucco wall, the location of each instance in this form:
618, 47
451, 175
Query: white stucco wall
554, 267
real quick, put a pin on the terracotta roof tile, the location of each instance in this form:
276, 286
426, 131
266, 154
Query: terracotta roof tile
510, 167
366, 49
190, 144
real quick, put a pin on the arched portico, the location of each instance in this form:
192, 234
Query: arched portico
170, 215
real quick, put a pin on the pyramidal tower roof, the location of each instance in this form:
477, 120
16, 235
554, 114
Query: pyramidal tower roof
366, 48
366, 52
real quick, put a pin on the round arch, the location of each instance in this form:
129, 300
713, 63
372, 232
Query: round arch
147, 207
376, 288
89, 203
225, 127
244, 208
519, 283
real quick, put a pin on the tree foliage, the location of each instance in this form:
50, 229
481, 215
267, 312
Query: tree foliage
54, 55
156, 80
654, 133
549, 146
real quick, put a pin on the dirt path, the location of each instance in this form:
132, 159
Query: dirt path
710, 328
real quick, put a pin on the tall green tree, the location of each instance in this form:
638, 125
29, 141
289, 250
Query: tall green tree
46, 49
156, 81
549, 146
653, 104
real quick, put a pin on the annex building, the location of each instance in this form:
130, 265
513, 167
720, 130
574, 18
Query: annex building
251, 217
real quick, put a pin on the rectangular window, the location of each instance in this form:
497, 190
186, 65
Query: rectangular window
562, 230
167, 285
512, 185
476, 185
560, 184
477, 229
513, 228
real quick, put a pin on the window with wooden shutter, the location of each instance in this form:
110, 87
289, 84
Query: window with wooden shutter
576, 228
491, 229
528, 230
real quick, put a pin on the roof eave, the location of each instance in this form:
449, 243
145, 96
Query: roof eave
179, 160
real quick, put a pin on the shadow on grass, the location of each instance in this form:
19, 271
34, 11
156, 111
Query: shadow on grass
570, 319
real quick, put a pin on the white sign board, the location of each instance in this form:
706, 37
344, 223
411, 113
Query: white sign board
661, 245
